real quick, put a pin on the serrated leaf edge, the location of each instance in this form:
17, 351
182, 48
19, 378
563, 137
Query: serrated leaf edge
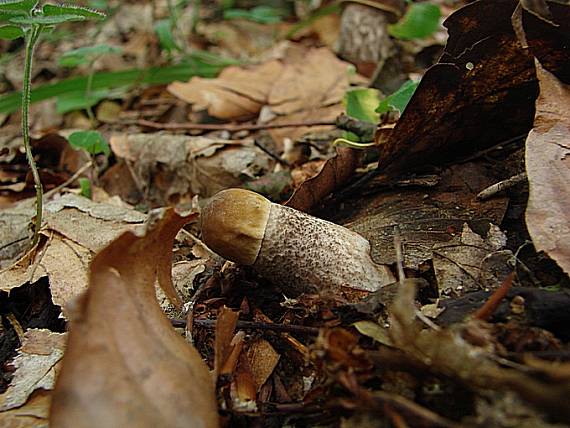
76, 7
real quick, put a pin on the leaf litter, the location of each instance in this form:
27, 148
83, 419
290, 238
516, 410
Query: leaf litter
308, 359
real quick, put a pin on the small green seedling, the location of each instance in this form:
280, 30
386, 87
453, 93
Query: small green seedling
91, 141
364, 104
94, 144
85, 56
399, 99
27, 19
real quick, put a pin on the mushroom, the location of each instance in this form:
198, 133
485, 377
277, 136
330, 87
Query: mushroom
299, 252
364, 40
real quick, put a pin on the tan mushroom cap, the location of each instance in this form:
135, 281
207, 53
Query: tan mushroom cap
233, 224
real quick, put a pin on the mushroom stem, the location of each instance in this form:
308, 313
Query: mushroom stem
299, 252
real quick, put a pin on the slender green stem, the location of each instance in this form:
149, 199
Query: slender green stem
32, 36
88, 90
351, 144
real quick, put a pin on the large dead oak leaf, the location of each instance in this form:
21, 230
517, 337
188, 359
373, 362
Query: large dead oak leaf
125, 366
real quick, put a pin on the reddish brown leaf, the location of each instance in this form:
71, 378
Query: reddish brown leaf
334, 174
125, 366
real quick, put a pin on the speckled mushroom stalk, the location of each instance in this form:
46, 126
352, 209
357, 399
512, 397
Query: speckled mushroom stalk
299, 252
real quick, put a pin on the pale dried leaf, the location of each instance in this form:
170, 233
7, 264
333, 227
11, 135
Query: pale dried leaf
33, 414
548, 170
36, 365
237, 93
76, 227
460, 263
319, 79
173, 168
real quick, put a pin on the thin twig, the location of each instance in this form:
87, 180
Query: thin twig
69, 180
251, 325
230, 127
402, 275
399, 255
491, 305
492, 190
271, 154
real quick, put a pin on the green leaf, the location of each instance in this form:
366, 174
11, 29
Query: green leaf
163, 29
21, 7
45, 20
399, 99
98, 4
420, 21
72, 10
261, 14
86, 54
79, 100
11, 32
85, 186
362, 103
91, 141
199, 63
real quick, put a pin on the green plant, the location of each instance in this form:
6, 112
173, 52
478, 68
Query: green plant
85, 56
169, 32
420, 21
93, 143
364, 104
25, 18
361, 104
399, 99
198, 63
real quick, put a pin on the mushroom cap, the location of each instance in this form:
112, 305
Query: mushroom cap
233, 224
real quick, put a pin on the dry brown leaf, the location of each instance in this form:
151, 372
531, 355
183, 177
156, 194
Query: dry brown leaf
36, 365
125, 366
238, 93
33, 414
426, 216
171, 169
548, 170
239, 38
225, 327
334, 174
469, 262
319, 79
242, 390
329, 113
305, 85
263, 359
76, 227
460, 104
